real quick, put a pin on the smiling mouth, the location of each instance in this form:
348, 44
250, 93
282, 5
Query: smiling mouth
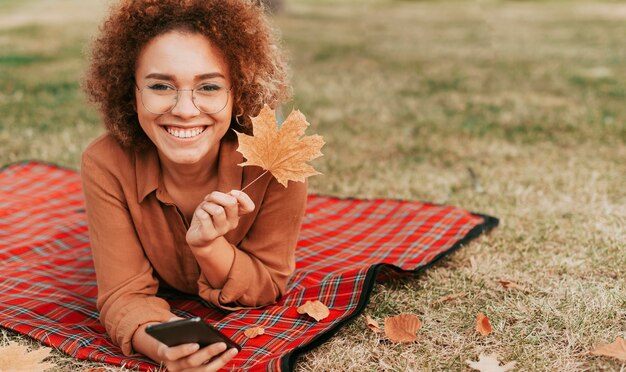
179, 132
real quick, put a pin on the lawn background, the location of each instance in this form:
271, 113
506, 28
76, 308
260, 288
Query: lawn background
511, 108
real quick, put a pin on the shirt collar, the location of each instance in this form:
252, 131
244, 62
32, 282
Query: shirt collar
148, 171
148, 168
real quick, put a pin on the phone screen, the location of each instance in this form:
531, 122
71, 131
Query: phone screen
188, 331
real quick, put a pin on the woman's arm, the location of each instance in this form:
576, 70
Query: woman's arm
126, 284
258, 269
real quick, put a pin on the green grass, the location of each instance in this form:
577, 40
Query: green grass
21, 59
409, 95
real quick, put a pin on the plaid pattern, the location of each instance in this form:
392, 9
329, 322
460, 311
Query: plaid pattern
48, 288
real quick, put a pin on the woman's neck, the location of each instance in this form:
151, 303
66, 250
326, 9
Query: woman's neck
190, 177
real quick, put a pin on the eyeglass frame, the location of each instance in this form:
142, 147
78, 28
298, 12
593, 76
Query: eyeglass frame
193, 100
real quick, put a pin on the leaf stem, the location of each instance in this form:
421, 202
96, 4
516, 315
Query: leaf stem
256, 179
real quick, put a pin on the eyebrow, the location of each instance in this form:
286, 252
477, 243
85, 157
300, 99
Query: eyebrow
156, 75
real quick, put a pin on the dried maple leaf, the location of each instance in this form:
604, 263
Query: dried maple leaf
508, 284
17, 358
490, 363
314, 309
402, 328
372, 324
282, 151
253, 332
483, 326
617, 349
448, 298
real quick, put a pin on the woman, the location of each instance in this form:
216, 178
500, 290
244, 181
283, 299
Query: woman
171, 79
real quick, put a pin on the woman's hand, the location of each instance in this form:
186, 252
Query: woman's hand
186, 357
216, 215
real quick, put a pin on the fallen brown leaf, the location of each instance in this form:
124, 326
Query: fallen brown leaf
372, 324
402, 328
253, 332
489, 363
315, 309
449, 297
483, 325
282, 151
16, 358
616, 349
508, 284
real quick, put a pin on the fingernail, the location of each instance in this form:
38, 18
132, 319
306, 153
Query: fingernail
233, 352
235, 192
194, 347
222, 346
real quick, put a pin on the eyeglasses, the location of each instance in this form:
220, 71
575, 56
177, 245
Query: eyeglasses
161, 98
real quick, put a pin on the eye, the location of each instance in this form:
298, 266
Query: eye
161, 87
209, 88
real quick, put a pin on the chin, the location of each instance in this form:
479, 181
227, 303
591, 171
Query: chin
185, 158
186, 161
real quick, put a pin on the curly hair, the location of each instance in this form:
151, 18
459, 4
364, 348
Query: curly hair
238, 28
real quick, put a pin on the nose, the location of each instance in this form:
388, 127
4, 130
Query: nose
184, 107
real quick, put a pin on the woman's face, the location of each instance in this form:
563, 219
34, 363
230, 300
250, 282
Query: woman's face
184, 61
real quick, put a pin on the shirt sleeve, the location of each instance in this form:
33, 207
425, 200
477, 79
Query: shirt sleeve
126, 284
265, 259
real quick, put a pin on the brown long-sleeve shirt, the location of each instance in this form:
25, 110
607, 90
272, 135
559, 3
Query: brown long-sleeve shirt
137, 237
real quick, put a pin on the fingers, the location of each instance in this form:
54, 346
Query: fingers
218, 215
207, 353
174, 353
205, 221
246, 205
210, 221
197, 361
228, 202
219, 362
236, 202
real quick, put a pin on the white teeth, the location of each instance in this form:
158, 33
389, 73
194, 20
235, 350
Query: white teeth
184, 133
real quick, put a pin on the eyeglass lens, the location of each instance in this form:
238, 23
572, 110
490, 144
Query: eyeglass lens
162, 98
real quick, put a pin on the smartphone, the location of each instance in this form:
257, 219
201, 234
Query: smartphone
188, 331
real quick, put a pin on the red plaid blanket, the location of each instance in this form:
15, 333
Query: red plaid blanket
48, 288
